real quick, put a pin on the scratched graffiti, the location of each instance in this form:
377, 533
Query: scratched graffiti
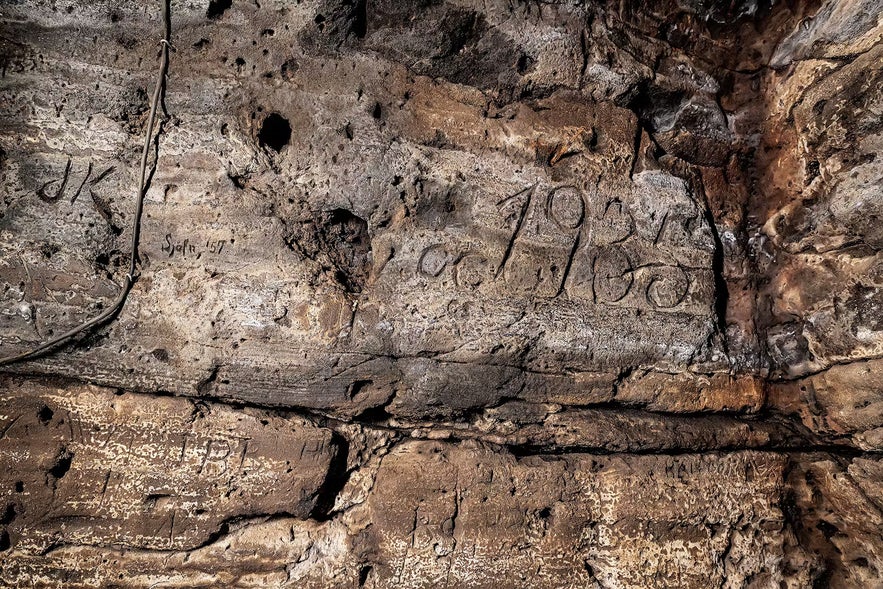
561, 241
186, 248
170, 481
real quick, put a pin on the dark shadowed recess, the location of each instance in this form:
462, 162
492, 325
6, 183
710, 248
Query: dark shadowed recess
275, 132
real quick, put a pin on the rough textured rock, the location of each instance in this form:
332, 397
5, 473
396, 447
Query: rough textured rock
554, 521
444, 293
97, 467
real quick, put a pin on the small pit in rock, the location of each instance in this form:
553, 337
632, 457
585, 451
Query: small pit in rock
217, 8
62, 464
275, 132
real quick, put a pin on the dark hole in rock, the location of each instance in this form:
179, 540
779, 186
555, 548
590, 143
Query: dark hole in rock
812, 171
62, 464
363, 574
357, 387
5, 544
160, 354
237, 180
275, 132
48, 250
19, 487
359, 24
827, 529
823, 580
8, 515
45, 415
374, 415
349, 246
216, 8
524, 63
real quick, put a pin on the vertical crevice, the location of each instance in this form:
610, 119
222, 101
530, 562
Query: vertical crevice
335, 480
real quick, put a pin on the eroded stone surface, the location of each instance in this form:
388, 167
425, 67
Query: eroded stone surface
88, 466
444, 515
444, 294
820, 208
837, 515
403, 219
842, 403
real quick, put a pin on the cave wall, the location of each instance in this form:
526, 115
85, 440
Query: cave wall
443, 293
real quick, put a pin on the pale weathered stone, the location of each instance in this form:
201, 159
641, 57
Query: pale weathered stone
443, 293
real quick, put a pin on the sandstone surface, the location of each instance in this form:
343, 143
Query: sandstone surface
443, 293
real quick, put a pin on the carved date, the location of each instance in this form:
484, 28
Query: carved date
186, 248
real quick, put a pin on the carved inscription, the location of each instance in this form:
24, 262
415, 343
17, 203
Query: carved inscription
668, 287
43, 191
173, 247
526, 195
561, 242
617, 223
613, 275
565, 207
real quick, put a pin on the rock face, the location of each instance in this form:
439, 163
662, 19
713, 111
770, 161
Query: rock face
104, 467
444, 293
